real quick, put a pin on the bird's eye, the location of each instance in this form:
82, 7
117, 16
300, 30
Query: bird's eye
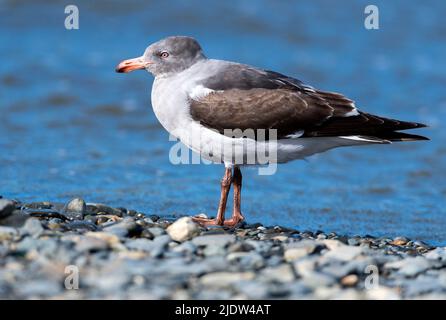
164, 54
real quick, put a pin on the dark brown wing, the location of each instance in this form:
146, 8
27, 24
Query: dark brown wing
249, 98
285, 110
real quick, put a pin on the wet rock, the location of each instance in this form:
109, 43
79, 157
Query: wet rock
75, 209
183, 229
6, 208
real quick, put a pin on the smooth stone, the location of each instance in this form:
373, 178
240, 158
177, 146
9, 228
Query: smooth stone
318, 279
422, 285
88, 244
344, 252
6, 208
305, 266
75, 209
399, 241
225, 279
437, 254
33, 227
39, 205
350, 280
140, 244
16, 219
281, 238
3, 251
382, 293
81, 225
7, 233
295, 253
185, 248
54, 226
353, 242
183, 229
332, 244
252, 289
96, 208
111, 239
292, 254
410, 266
248, 260
108, 282
213, 251
220, 240
281, 273
155, 247
39, 288
240, 246
126, 227
340, 269
156, 231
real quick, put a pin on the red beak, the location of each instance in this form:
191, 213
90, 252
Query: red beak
131, 65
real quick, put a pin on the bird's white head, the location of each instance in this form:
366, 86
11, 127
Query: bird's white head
169, 55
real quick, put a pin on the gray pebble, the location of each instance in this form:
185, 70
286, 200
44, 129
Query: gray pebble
75, 209
33, 227
6, 208
220, 240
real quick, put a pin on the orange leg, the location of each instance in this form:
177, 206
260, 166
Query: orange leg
237, 216
225, 187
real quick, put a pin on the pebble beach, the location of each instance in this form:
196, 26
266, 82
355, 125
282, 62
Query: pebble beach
80, 250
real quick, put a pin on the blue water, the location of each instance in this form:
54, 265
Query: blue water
70, 126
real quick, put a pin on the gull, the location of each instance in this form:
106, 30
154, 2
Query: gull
206, 103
